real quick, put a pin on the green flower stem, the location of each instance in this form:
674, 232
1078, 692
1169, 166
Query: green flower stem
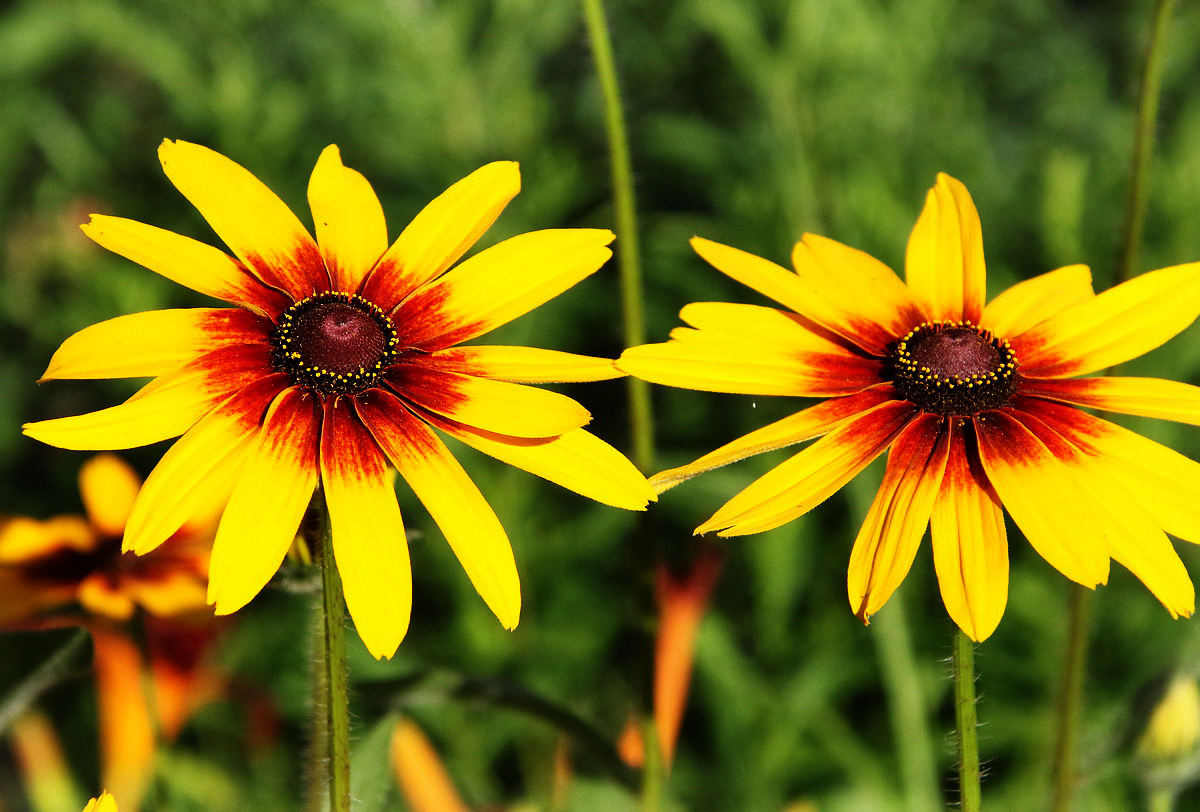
1070, 703
1143, 140
628, 251
331, 677
907, 707
964, 714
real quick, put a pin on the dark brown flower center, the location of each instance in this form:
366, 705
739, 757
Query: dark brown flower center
334, 343
954, 368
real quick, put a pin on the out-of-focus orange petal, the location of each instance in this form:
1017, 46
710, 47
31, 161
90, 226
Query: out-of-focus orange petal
422, 776
108, 486
631, 747
126, 731
22, 539
100, 596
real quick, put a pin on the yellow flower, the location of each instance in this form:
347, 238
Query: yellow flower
341, 356
974, 403
46, 565
105, 803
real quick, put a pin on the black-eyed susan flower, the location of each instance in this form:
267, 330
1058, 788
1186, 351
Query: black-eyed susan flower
342, 355
976, 406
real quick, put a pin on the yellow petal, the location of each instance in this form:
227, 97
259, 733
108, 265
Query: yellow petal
944, 264
768, 324
150, 344
804, 425
970, 546
887, 541
1148, 397
108, 486
249, 217
105, 803
1049, 505
524, 364
442, 232
100, 596
169, 594
164, 408
351, 230
1115, 326
1027, 304
577, 460
464, 516
267, 503
507, 408
185, 261
126, 730
22, 539
749, 367
368, 532
202, 464
501, 283
873, 301
802, 482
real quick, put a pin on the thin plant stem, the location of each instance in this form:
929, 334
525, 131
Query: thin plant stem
969, 793
1146, 119
1160, 800
907, 707
333, 675
628, 250
1070, 703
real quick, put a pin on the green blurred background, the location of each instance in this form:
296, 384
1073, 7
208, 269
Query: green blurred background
750, 123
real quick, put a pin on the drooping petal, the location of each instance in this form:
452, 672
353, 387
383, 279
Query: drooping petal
108, 486
1052, 509
351, 230
200, 466
1115, 326
865, 289
153, 343
368, 533
164, 408
1148, 397
970, 545
442, 233
249, 217
187, 262
1163, 481
464, 516
750, 367
787, 288
523, 364
1027, 304
500, 406
577, 460
802, 482
887, 542
944, 263
499, 284
746, 321
267, 503
1134, 538
796, 428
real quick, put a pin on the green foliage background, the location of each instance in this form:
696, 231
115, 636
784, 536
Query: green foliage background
751, 123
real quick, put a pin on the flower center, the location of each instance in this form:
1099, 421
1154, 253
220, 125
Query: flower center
954, 368
334, 343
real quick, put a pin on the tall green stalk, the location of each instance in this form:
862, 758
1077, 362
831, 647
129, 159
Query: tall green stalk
1063, 777
332, 705
967, 725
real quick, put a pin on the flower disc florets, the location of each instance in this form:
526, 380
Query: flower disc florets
954, 368
334, 343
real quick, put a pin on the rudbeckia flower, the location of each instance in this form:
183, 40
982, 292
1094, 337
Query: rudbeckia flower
342, 355
977, 407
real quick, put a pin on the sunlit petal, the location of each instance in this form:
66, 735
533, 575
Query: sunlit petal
442, 232
499, 284
368, 533
755, 322
1148, 397
944, 264
249, 217
1027, 304
464, 516
267, 503
351, 230
970, 545
888, 539
1114, 326
187, 262
803, 425
524, 364
153, 343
